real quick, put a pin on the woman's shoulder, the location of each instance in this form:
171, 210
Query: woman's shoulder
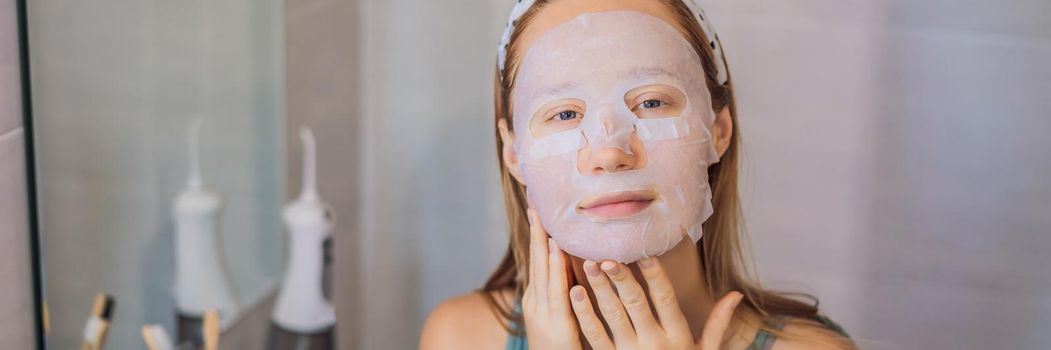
808, 334
466, 321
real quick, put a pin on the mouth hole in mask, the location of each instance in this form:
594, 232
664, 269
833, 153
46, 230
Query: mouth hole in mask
618, 205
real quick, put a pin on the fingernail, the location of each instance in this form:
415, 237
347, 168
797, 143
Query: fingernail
591, 268
647, 262
552, 246
739, 298
611, 268
577, 293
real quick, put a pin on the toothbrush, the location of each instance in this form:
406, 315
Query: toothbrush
211, 330
200, 280
98, 323
156, 338
301, 307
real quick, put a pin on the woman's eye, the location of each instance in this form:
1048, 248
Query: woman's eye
566, 115
556, 116
655, 101
651, 104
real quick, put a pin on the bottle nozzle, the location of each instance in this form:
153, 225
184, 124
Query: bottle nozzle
309, 191
195, 153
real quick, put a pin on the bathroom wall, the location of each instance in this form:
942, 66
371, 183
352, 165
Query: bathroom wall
955, 252
894, 164
807, 76
432, 222
115, 85
17, 322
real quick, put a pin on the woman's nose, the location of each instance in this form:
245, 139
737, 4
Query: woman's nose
610, 159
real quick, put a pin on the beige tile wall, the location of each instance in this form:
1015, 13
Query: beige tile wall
16, 308
10, 99
16, 298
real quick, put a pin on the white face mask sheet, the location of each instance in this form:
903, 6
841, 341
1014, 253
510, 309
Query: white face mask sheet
597, 58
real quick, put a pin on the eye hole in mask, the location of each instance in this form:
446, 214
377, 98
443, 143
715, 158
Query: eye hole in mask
646, 102
557, 116
655, 101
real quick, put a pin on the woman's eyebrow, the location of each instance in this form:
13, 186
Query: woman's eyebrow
647, 72
557, 89
637, 73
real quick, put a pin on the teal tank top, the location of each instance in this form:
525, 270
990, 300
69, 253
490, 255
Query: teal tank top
763, 340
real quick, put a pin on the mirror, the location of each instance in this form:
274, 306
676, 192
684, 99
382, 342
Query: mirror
117, 87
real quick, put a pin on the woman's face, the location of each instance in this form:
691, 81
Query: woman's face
612, 118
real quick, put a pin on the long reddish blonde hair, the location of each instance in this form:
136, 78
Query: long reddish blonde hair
720, 247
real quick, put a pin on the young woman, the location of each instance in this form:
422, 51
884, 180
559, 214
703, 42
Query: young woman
616, 136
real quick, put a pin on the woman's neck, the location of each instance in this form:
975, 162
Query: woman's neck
683, 266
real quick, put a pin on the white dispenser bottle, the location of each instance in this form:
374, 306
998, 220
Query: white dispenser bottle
301, 307
201, 281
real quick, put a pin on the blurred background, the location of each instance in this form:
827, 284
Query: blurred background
895, 157
115, 85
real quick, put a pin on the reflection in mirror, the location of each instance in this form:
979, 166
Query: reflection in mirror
303, 317
119, 88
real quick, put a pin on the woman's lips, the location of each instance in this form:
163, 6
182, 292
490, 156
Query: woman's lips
617, 205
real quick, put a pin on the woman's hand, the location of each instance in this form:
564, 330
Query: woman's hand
629, 317
549, 322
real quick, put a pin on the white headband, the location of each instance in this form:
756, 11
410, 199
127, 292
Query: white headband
522, 6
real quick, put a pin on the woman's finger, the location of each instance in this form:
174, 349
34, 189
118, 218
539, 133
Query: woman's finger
557, 284
589, 322
609, 304
537, 256
632, 296
719, 320
662, 294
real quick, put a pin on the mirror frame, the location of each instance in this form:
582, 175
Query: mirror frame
30, 167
